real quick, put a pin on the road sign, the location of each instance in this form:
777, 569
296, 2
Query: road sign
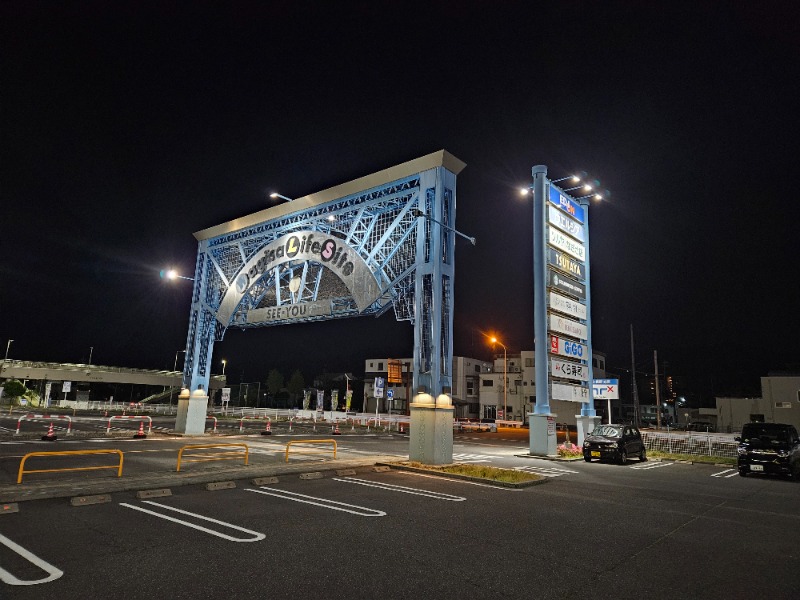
390, 394
379, 387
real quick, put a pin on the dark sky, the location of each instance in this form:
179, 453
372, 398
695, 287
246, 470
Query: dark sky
126, 127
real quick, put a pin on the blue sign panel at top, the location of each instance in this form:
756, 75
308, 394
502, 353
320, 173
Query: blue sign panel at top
566, 204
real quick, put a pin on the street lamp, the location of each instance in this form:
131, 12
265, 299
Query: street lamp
175, 368
172, 274
91, 349
494, 340
415, 212
281, 196
5, 358
224, 362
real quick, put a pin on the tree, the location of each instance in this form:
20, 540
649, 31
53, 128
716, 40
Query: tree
274, 382
296, 385
14, 389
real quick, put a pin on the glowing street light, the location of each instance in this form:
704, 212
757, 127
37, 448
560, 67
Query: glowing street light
224, 362
172, 275
281, 196
494, 340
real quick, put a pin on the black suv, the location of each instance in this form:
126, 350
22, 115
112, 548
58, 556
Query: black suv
769, 448
614, 442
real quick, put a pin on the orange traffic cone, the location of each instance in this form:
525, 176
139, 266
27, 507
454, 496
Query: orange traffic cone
336, 429
267, 430
50, 436
140, 434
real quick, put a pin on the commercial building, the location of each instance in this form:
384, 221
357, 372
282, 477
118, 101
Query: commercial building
779, 403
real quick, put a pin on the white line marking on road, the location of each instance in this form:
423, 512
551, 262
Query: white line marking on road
471, 458
440, 478
257, 536
651, 465
547, 471
322, 502
401, 488
726, 473
6, 577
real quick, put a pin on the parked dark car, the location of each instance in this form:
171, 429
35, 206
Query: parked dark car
614, 442
769, 448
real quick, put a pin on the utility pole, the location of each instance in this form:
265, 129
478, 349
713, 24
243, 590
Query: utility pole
658, 395
636, 415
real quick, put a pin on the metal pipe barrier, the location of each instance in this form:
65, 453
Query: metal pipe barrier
289, 444
209, 417
243, 419
134, 417
230, 455
32, 417
69, 453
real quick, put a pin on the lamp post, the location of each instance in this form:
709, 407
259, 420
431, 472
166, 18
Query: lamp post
418, 213
505, 377
91, 349
5, 358
224, 362
172, 274
175, 368
281, 196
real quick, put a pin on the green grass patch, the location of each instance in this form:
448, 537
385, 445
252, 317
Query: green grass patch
698, 458
480, 471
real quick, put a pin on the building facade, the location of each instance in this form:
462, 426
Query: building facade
779, 403
508, 391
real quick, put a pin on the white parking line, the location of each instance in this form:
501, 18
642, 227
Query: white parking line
651, 465
401, 488
726, 473
547, 471
6, 577
256, 536
361, 511
471, 458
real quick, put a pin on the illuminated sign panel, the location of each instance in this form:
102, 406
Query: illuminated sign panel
569, 370
605, 389
566, 285
568, 392
567, 306
568, 205
559, 260
566, 243
568, 348
567, 327
565, 224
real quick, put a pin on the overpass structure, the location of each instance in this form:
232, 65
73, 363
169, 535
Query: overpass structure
47, 371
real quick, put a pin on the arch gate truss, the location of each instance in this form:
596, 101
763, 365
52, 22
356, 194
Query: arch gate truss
360, 248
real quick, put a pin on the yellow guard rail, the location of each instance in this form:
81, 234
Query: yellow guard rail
22, 470
288, 445
230, 455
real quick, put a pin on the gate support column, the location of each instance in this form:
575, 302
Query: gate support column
431, 430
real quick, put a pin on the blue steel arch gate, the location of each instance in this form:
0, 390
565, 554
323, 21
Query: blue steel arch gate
352, 250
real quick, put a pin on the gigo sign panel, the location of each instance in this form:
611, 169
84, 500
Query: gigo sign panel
568, 348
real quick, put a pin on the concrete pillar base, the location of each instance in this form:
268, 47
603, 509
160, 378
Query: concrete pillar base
191, 418
543, 439
585, 426
431, 432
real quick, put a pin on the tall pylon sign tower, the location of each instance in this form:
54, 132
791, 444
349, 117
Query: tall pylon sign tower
382, 242
562, 309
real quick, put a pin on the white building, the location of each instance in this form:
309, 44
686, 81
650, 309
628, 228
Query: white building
779, 403
464, 393
515, 402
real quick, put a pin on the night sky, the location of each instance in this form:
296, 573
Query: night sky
126, 127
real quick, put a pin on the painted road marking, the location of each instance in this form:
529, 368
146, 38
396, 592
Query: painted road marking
472, 458
727, 473
547, 471
360, 511
651, 465
401, 488
256, 535
6, 577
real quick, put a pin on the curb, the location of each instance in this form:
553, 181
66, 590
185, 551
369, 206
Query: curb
506, 484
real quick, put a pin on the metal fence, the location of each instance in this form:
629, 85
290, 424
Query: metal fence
692, 443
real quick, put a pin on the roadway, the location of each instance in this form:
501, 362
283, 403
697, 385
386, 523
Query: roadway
654, 529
